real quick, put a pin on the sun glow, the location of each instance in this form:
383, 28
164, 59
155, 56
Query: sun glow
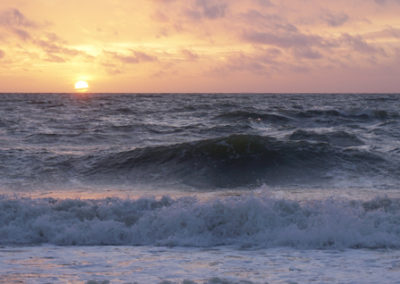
81, 86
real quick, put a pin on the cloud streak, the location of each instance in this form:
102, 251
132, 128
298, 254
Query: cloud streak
135, 57
283, 40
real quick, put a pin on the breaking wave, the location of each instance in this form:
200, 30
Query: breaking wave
242, 160
244, 221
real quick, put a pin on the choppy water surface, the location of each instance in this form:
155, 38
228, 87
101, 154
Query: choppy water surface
200, 141
280, 180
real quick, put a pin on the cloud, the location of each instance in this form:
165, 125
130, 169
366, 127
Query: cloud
34, 35
242, 63
192, 9
134, 58
206, 9
14, 18
389, 32
335, 20
55, 58
259, 62
315, 46
276, 31
265, 3
285, 40
22, 34
2, 54
307, 52
212, 10
160, 17
15, 22
54, 51
271, 22
51, 47
111, 68
190, 55
357, 43
383, 2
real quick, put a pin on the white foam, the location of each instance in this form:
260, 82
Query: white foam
249, 221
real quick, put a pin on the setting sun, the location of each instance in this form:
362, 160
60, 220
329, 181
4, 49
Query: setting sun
81, 86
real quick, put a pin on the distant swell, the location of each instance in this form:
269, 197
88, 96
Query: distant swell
252, 221
251, 115
355, 114
332, 115
241, 160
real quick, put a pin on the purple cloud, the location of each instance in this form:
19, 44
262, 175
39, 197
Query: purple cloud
307, 52
212, 10
265, 3
52, 48
285, 40
111, 68
360, 45
389, 32
335, 20
206, 9
299, 44
16, 23
263, 62
55, 48
135, 57
22, 34
14, 18
189, 55
267, 21
383, 2
55, 58
241, 62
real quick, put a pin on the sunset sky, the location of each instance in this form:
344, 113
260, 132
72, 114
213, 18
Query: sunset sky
200, 45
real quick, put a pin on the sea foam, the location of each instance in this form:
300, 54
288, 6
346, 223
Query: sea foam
244, 221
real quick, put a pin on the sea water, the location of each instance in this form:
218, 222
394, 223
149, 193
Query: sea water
199, 188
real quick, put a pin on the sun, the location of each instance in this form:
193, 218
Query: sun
81, 86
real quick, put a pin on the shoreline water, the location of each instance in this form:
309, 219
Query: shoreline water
108, 264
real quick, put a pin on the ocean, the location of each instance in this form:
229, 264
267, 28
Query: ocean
199, 188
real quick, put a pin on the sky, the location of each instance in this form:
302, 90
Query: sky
200, 45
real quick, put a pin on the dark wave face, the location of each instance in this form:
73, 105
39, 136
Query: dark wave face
200, 141
238, 161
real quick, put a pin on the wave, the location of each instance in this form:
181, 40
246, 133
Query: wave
290, 116
237, 161
357, 114
245, 221
336, 138
252, 115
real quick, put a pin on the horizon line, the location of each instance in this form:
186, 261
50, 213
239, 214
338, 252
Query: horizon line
206, 93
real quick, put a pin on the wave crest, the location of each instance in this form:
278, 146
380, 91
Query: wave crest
250, 221
235, 161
